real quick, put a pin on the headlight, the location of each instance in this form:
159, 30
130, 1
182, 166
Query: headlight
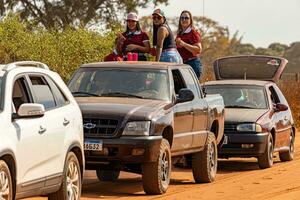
249, 128
137, 128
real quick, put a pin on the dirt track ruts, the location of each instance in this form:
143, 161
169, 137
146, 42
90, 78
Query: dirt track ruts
236, 179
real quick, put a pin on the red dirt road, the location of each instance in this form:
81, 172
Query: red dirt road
236, 179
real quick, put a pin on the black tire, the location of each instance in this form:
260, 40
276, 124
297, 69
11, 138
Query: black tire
156, 175
108, 175
6, 189
266, 159
204, 163
289, 155
69, 189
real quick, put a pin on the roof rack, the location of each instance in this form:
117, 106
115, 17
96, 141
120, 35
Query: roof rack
25, 64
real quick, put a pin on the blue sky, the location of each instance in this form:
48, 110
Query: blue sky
260, 22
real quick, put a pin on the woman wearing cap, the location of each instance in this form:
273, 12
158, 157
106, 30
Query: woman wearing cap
188, 42
133, 40
163, 39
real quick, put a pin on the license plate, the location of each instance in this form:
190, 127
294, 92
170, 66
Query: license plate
93, 145
225, 141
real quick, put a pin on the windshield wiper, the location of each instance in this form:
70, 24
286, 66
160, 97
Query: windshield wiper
81, 93
238, 106
120, 94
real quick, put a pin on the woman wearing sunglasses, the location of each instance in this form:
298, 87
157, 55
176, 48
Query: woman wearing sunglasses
163, 39
133, 40
188, 42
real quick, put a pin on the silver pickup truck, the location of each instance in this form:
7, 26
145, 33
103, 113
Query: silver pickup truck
142, 117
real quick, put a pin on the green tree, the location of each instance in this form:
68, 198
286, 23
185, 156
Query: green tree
72, 13
293, 56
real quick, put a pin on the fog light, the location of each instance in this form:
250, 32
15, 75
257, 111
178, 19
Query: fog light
138, 152
247, 146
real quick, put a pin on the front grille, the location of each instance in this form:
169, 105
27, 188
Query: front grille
230, 128
99, 127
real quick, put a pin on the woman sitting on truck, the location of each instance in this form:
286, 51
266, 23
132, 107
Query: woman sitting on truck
163, 39
133, 40
188, 42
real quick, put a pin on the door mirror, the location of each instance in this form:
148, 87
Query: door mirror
280, 107
185, 95
30, 110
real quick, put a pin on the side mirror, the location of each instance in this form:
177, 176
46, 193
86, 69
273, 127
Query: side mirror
185, 95
280, 107
30, 110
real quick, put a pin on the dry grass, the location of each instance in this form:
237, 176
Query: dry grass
291, 91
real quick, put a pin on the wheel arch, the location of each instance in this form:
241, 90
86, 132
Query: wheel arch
168, 134
273, 133
9, 158
214, 128
75, 148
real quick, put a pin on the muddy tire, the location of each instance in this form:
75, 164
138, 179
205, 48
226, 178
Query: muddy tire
289, 155
108, 175
70, 188
6, 189
204, 163
266, 159
156, 175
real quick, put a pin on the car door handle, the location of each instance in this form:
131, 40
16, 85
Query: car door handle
66, 122
42, 130
191, 112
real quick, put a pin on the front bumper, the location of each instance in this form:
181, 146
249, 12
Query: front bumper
244, 145
120, 151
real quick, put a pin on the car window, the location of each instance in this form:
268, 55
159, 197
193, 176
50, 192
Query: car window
60, 97
274, 97
280, 96
20, 93
190, 81
240, 96
178, 81
42, 92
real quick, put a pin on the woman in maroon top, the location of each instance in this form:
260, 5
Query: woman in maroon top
188, 42
133, 40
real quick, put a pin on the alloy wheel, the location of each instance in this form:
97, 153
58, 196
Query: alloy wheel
73, 181
4, 186
165, 171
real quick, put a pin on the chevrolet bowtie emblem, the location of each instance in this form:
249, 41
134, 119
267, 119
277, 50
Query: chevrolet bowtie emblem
89, 125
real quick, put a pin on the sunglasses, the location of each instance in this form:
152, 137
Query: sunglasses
156, 17
184, 18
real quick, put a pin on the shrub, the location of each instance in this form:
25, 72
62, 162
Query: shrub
291, 91
63, 51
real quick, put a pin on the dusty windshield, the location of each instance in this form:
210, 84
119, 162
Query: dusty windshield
116, 82
240, 96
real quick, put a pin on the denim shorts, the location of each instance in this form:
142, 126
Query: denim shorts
196, 65
170, 56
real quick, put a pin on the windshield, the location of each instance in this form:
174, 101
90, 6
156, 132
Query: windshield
240, 96
116, 82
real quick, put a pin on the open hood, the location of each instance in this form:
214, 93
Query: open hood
250, 67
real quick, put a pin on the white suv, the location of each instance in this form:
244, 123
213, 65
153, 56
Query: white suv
41, 134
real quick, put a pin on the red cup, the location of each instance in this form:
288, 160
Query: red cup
129, 56
134, 56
